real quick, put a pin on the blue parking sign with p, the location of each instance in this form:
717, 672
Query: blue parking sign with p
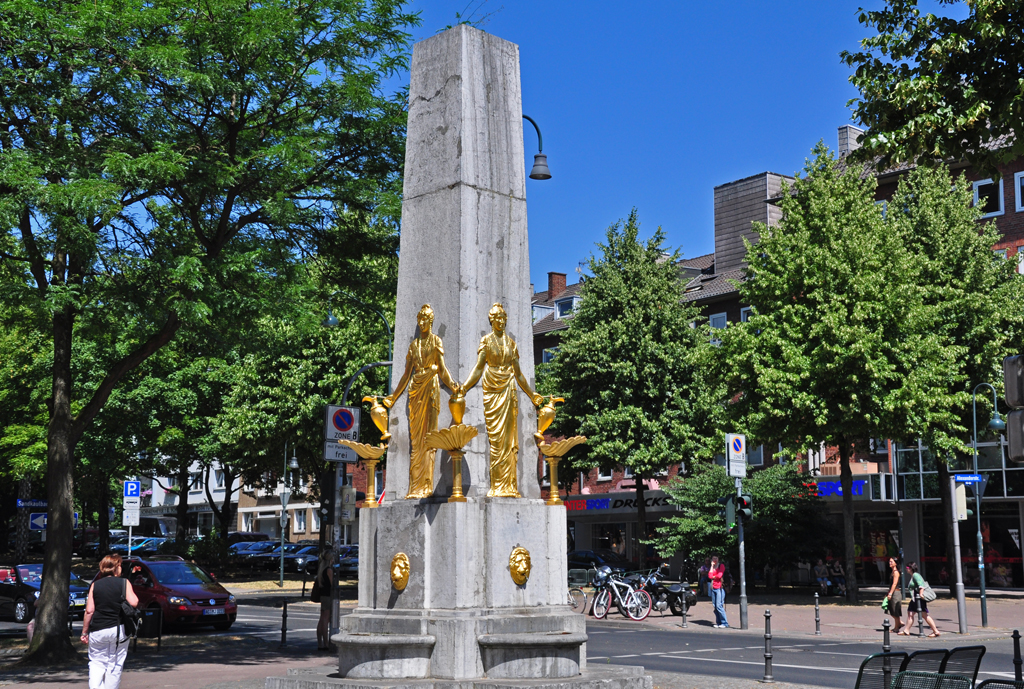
132, 489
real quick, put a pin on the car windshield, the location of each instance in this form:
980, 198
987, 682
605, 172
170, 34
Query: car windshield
308, 550
119, 540
263, 546
33, 574
168, 573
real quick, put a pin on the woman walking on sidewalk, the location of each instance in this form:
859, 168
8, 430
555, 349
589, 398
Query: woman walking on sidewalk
324, 584
715, 574
894, 599
102, 628
919, 604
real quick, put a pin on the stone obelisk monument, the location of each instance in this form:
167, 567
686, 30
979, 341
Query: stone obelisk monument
442, 591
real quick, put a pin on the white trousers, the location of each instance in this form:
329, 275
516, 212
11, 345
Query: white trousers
106, 658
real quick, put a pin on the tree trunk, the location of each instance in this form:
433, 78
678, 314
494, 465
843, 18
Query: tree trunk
21, 540
641, 520
104, 520
947, 521
846, 480
181, 510
227, 512
51, 645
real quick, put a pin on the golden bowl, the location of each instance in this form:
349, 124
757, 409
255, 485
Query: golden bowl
363, 450
451, 439
558, 449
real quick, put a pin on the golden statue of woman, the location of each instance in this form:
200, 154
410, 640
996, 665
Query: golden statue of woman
424, 364
498, 352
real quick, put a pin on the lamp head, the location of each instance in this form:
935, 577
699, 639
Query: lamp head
293, 463
540, 167
997, 423
330, 321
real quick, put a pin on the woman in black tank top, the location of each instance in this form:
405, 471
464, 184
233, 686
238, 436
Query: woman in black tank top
102, 626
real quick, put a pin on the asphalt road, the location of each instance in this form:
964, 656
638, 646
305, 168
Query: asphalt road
827, 662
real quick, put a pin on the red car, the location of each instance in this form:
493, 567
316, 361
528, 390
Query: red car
186, 593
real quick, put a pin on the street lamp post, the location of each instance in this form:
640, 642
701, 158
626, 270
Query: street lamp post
286, 495
332, 322
996, 424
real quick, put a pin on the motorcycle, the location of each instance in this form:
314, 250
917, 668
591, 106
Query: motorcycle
667, 595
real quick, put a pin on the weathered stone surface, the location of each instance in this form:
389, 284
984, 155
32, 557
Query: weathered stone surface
464, 239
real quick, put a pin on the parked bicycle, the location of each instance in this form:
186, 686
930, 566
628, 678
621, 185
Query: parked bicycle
632, 602
577, 599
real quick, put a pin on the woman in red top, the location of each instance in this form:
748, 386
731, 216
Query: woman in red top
718, 592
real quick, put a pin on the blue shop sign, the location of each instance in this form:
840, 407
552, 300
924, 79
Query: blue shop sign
834, 489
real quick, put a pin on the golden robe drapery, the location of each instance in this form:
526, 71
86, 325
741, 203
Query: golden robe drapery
501, 413
424, 358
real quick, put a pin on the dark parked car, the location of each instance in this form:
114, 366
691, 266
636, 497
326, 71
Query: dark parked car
19, 589
246, 537
296, 562
592, 559
313, 564
186, 593
348, 564
272, 559
247, 556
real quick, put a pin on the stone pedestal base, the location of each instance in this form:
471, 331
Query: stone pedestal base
603, 677
526, 643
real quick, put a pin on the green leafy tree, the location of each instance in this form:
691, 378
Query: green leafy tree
934, 88
790, 521
633, 363
160, 164
841, 346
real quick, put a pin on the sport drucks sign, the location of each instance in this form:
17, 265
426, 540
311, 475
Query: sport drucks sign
858, 488
579, 503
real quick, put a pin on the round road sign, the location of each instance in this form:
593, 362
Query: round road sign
343, 420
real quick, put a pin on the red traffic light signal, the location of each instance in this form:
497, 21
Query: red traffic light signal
745, 506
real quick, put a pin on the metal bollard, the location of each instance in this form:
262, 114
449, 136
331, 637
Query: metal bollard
1016, 656
303, 597
684, 625
886, 647
768, 677
920, 613
284, 623
817, 616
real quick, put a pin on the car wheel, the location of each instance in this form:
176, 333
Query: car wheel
22, 611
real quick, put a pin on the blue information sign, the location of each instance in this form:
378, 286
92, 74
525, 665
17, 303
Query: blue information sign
968, 478
132, 489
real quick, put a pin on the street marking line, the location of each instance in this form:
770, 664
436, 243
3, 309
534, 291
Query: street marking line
631, 655
761, 663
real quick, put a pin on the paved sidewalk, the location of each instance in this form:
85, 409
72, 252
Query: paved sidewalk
794, 615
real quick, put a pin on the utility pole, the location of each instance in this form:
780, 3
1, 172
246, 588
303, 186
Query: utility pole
958, 515
740, 507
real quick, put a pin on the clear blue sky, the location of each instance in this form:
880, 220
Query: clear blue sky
653, 104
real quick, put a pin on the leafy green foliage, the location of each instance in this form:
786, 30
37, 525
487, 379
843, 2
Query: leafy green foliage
934, 88
631, 365
790, 521
842, 344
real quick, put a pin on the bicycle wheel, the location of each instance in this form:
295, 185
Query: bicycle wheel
602, 601
577, 599
638, 605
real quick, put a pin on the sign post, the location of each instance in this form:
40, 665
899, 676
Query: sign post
736, 453
130, 517
959, 515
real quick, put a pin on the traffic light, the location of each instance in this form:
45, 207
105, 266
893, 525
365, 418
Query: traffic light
745, 506
1013, 386
729, 511
327, 491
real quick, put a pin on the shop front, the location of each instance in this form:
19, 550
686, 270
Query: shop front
914, 512
607, 521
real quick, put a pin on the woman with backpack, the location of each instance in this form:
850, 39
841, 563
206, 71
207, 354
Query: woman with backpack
919, 586
102, 628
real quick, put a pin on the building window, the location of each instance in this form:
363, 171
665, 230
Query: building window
1020, 259
999, 253
627, 472
565, 307
316, 519
247, 521
884, 205
196, 482
300, 521
756, 457
718, 322
745, 314
1018, 189
540, 311
604, 475
548, 355
219, 475
988, 196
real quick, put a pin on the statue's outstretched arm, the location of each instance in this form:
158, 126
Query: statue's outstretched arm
389, 401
